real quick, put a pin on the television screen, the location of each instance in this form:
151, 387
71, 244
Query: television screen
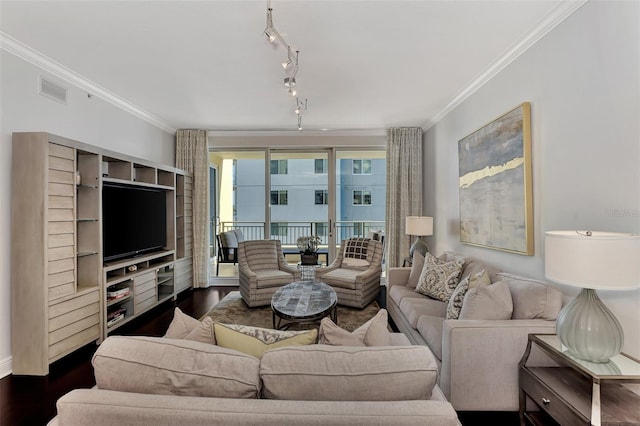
134, 220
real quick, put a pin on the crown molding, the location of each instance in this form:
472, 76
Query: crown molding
36, 58
296, 133
553, 19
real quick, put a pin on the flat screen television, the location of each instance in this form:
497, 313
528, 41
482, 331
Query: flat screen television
134, 220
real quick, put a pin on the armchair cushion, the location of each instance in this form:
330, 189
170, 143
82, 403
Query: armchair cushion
271, 278
356, 254
342, 277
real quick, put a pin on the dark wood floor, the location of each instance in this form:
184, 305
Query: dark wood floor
30, 401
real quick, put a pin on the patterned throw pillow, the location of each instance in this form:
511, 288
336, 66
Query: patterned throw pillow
355, 253
439, 279
457, 297
372, 333
256, 340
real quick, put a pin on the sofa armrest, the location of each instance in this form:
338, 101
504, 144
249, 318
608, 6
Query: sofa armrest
480, 361
398, 276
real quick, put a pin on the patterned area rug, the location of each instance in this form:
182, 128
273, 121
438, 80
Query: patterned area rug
233, 310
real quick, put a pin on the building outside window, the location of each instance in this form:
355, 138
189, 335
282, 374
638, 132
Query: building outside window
358, 229
279, 167
279, 198
279, 229
321, 197
321, 229
361, 167
320, 166
361, 198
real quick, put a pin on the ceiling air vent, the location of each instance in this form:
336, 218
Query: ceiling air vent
52, 90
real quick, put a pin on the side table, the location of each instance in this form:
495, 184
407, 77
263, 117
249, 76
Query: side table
577, 392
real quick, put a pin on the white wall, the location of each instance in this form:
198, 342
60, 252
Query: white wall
582, 80
89, 120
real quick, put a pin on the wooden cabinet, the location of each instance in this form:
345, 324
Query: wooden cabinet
64, 295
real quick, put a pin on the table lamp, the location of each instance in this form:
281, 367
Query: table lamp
592, 261
420, 226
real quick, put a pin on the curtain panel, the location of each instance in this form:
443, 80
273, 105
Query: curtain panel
404, 187
192, 156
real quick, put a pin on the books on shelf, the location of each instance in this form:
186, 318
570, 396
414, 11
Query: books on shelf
115, 319
118, 293
116, 315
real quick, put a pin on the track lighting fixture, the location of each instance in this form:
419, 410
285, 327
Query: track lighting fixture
290, 64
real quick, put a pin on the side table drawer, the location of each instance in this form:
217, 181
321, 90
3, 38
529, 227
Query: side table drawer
549, 401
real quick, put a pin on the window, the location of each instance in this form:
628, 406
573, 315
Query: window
279, 197
279, 229
321, 229
279, 167
361, 167
361, 198
322, 197
320, 166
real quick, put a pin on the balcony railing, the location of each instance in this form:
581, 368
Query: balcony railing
289, 232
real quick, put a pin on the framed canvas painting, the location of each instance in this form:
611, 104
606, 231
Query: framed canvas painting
496, 209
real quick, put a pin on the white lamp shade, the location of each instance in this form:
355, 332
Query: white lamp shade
600, 261
419, 225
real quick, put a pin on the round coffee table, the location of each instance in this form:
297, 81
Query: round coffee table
303, 302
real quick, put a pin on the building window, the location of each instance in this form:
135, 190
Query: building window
361, 198
279, 198
361, 167
279, 167
279, 229
321, 197
320, 166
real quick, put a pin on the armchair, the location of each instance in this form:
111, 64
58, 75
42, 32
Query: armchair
262, 271
228, 247
355, 273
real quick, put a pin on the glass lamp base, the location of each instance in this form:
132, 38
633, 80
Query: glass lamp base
589, 329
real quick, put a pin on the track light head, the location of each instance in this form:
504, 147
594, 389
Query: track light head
289, 82
289, 61
270, 32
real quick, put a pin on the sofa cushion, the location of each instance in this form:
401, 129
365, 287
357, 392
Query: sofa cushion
533, 299
491, 302
413, 309
174, 367
398, 292
372, 333
256, 341
416, 269
430, 328
185, 327
343, 373
438, 278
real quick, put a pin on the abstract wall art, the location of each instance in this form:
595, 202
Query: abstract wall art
496, 206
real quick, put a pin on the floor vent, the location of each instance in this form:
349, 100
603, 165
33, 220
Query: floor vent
52, 90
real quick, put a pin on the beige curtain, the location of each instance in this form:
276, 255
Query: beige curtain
404, 189
192, 156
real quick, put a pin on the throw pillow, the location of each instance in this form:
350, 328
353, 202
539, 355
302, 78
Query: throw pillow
372, 333
416, 270
155, 365
355, 253
185, 327
256, 340
492, 302
533, 299
438, 278
457, 297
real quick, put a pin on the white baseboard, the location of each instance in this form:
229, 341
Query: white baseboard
5, 367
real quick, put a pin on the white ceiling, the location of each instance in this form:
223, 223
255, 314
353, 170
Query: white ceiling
206, 64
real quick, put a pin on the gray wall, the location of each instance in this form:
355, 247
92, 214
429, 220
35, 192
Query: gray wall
89, 120
582, 80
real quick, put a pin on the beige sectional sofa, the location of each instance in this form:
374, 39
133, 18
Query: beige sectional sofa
161, 381
478, 358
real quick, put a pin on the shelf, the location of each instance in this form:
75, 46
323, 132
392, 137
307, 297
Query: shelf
86, 253
165, 280
120, 300
83, 185
136, 183
87, 219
